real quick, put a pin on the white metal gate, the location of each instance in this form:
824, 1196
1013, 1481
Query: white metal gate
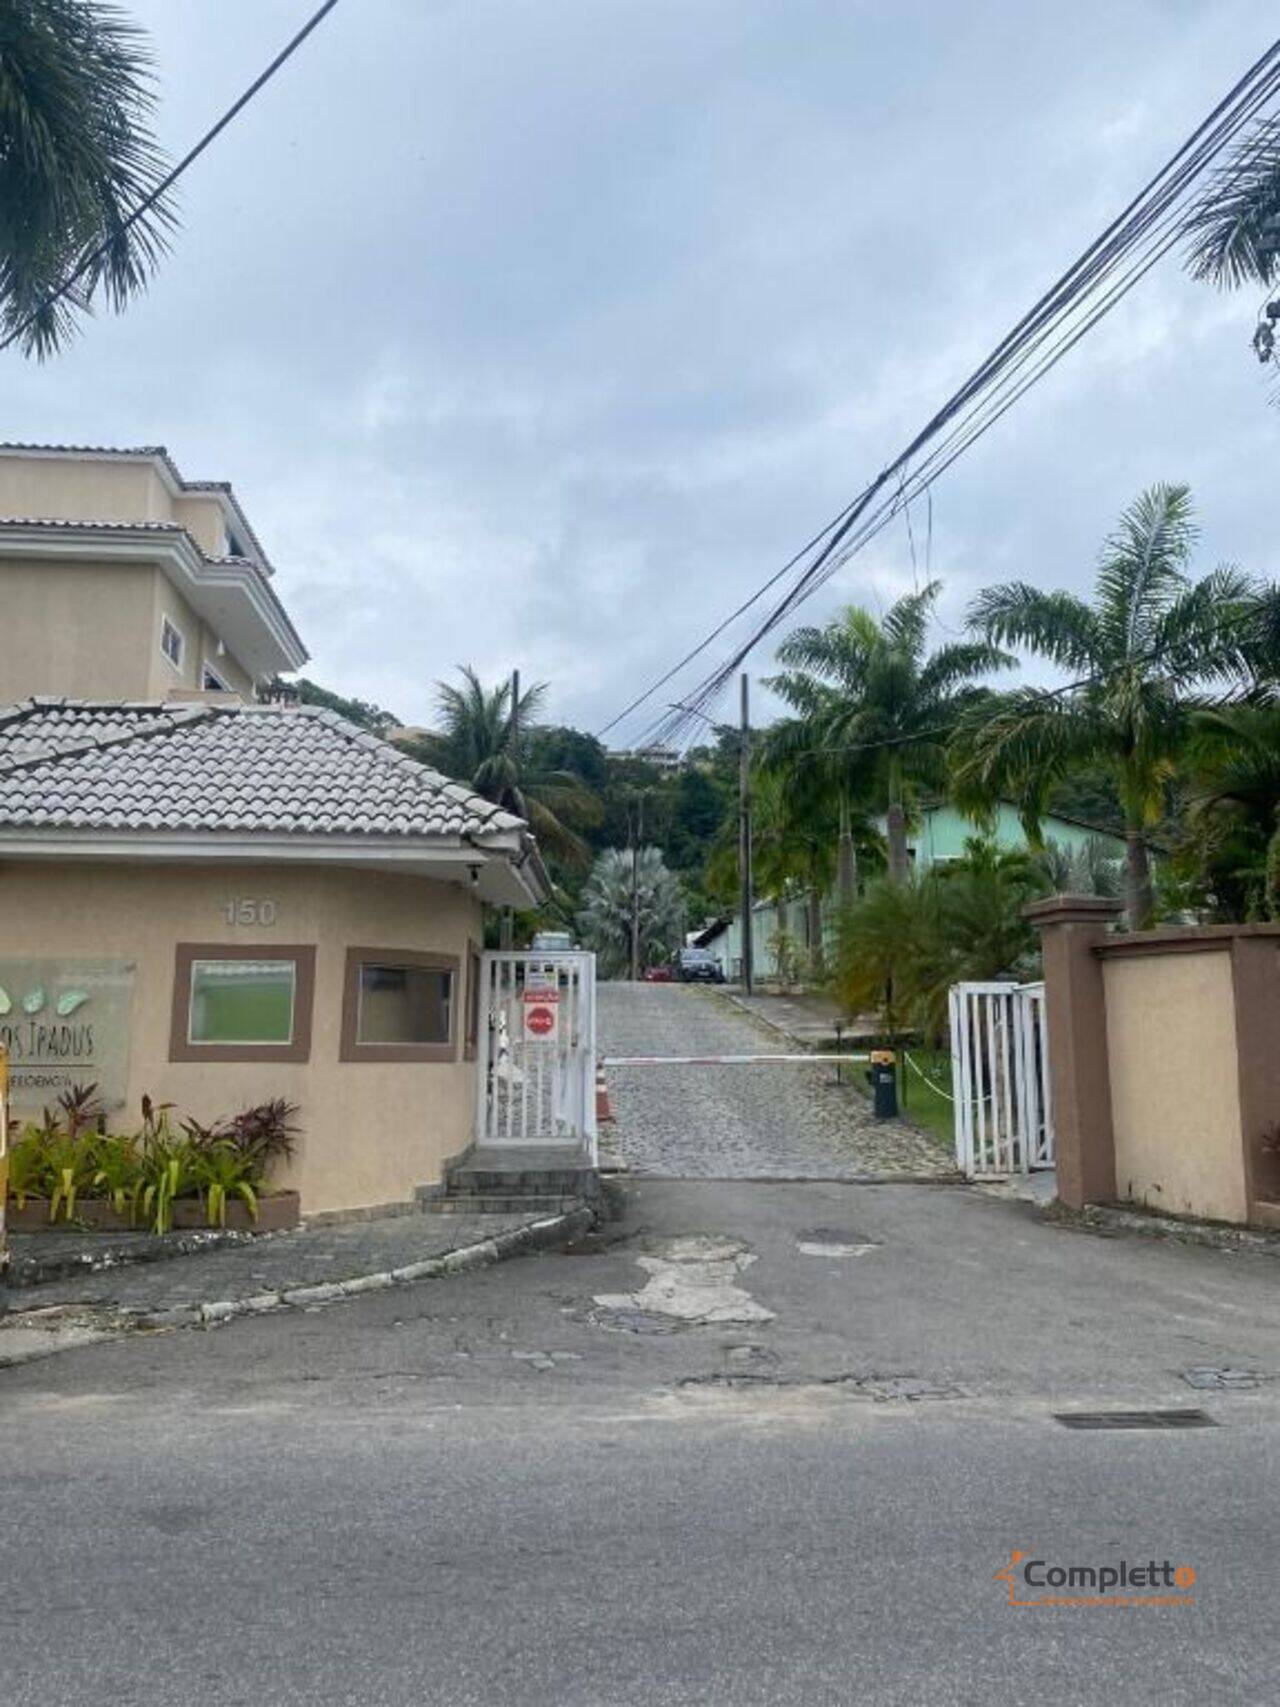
536, 1050
1000, 1078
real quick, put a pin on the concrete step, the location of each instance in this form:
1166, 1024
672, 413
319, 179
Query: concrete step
498, 1203
551, 1170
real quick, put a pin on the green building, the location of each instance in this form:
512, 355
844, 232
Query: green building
937, 837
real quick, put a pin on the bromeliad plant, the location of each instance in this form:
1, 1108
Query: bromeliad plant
65, 1159
223, 1171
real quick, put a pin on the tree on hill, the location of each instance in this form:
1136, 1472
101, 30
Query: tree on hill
484, 740
605, 919
874, 707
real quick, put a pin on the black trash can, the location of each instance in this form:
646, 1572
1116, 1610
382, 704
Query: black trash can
882, 1075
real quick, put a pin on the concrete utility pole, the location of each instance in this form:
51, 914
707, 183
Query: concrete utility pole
635, 887
744, 835
507, 927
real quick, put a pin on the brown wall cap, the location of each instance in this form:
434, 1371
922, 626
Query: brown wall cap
1072, 910
1183, 939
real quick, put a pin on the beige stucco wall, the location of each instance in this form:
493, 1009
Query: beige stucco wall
200, 648
1175, 1102
201, 515
83, 629
69, 490
92, 631
371, 1132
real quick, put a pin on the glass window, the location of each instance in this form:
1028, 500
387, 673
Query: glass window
404, 1004
242, 1001
171, 643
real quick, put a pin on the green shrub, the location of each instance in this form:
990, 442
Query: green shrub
65, 1159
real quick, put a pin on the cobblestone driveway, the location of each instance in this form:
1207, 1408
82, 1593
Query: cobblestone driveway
766, 1122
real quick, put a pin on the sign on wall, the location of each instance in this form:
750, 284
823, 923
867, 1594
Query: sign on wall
66, 1023
541, 1013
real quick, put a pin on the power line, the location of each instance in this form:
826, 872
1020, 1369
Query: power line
989, 409
1151, 223
90, 261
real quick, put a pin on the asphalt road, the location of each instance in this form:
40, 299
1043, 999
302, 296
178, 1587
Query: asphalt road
498, 1490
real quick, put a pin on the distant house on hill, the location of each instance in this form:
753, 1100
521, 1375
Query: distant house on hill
938, 838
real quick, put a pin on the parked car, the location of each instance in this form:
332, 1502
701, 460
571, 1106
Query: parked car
698, 966
552, 942
659, 974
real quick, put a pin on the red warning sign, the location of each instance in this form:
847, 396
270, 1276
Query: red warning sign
541, 1015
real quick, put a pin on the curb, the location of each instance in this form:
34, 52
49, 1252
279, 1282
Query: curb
520, 1241
23, 1272
537, 1235
1105, 1219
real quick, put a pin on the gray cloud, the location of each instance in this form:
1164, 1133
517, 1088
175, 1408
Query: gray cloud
535, 333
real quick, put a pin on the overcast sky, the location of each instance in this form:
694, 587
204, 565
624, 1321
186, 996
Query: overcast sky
535, 332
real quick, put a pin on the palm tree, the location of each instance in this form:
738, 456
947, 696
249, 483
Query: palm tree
485, 739
617, 882
903, 945
1146, 651
875, 708
1233, 819
1234, 228
77, 156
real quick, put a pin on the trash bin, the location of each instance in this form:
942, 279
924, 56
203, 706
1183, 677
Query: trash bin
882, 1076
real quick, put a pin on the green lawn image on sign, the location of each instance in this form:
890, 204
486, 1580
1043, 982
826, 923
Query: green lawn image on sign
65, 1023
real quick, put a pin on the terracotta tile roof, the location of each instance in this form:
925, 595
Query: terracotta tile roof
170, 767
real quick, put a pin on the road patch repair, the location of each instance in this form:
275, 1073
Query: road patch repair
693, 1281
834, 1242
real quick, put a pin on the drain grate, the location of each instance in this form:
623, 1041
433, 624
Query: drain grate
1134, 1419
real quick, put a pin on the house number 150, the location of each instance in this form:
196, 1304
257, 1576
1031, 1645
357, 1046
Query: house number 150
249, 912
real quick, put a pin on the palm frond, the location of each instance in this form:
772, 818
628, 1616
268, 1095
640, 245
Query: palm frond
77, 157
957, 665
1058, 626
1233, 230
1142, 569
905, 624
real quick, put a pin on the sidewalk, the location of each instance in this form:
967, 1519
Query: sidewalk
304, 1269
807, 1017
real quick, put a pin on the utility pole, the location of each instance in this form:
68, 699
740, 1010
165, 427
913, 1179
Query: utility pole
635, 887
507, 927
744, 835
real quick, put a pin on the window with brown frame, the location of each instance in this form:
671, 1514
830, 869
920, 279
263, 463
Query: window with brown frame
399, 1005
247, 1002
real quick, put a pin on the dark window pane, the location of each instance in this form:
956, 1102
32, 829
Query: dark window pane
404, 1004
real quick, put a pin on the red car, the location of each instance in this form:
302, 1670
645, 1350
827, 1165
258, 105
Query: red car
658, 975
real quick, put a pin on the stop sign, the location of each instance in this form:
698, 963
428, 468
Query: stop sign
540, 1021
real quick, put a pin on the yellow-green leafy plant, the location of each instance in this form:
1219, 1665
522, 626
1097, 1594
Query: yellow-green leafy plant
168, 1172
118, 1173
29, 1166
223, 1171
70, 1165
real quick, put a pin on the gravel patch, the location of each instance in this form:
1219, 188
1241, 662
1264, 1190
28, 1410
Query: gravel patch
757, 1122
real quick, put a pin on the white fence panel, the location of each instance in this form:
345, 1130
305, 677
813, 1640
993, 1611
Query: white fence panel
1000, 1078
537, 1086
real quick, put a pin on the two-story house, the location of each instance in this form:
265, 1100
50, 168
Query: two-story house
206, 900
121, 579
